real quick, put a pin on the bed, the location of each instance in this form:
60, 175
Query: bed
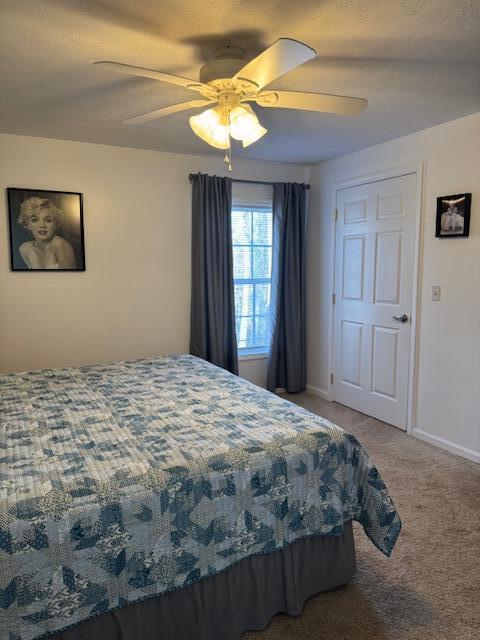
165, 497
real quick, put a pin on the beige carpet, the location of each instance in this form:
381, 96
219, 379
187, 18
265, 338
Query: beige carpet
430, 587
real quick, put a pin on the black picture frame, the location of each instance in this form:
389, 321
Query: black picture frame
61, 213
453, 216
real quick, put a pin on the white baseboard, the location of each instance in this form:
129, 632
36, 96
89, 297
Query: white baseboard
316, 391
458, 450
321, 393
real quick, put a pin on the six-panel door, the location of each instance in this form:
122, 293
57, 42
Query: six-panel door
373, 286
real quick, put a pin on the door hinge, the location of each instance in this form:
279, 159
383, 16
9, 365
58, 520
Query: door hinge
334, 298
336, 215
331, 378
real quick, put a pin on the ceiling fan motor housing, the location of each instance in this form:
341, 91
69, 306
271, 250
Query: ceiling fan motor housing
220, 71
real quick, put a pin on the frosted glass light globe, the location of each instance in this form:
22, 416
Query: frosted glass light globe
208, 127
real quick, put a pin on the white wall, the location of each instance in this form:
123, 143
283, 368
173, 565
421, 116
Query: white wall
448, 363
133, 300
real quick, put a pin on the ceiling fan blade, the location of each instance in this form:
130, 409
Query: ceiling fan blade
320, 102
284, 54
154, 75
166, 111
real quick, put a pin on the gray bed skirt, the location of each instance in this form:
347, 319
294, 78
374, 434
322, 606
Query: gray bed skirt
242, 598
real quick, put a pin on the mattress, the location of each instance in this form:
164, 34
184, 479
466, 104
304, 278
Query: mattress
124, 481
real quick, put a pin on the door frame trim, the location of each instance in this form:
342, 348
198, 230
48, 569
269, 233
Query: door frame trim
395, 172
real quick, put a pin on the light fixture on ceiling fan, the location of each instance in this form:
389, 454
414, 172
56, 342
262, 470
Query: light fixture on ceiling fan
217, 125
227, 84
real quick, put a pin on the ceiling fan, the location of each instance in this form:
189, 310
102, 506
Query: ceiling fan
228, 83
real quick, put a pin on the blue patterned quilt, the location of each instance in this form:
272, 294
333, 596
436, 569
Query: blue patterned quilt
122, 481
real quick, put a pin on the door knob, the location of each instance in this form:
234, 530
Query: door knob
403, 318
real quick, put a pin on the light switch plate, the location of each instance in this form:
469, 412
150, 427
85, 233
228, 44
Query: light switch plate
436, 293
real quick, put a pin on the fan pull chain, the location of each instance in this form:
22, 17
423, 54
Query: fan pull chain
227, 159
228, 154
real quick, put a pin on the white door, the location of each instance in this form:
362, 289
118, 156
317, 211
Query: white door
374, 265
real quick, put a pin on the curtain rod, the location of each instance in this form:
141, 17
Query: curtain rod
190, 177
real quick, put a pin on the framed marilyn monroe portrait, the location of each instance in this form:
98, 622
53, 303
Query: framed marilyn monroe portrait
46, 230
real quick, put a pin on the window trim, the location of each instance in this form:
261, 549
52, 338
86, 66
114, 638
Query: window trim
257, 355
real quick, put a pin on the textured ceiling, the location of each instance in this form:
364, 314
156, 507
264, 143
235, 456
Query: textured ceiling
417, 62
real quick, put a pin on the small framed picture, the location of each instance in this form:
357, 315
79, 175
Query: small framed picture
453, 216
46, 230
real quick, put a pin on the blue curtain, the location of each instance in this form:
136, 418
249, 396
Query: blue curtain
212, 322
287, 362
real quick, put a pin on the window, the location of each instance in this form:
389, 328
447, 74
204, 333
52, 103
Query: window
252, 274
